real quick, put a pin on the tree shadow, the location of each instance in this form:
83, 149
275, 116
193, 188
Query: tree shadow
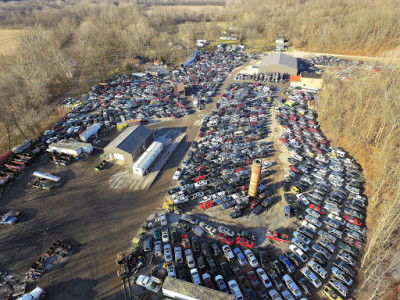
77, 288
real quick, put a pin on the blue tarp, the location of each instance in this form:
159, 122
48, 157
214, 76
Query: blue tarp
191, 60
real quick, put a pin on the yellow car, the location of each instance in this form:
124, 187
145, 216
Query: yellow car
331, 154
330, 294
310, 154
295, 189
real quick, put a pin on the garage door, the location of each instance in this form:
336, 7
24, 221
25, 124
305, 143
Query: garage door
119, 156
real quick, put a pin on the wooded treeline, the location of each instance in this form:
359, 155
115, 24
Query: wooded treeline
362, 116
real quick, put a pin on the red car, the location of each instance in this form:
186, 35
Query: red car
226, 239
353, 220
207, 204
240, 169
252, 278
283, 140
294, 169
255, 202
245, 242
185, 241
244, 187
317, 209
200, 178
201, 168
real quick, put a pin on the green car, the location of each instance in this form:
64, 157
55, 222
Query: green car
348, 248
157, 234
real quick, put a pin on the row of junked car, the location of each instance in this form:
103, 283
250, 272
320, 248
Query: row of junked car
327, 186
335, 180
216, 169
141, 96
189, 255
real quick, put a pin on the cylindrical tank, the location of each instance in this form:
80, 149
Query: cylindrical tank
46, 176
255, 177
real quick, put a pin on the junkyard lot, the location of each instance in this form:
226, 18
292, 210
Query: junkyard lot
98, 220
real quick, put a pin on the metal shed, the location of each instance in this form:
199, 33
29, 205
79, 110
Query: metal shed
130, 144
279, 62
183, 290
70, 147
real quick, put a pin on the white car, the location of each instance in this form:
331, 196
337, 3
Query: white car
211, 230
171, 270
36, 294
195, 276
165, 235
335, 232
313, 220
177, 174
340, 287
312, 213
181, 199
347, 258
299, 243
189, 258
317, 268
292, 286
311, 277
178, 255
157, 249
200, 183
251, 258
163, 219
274, 295
299, 253
235, 290
228, 252
342, 276
287, 295
168, 253
264, 277
302, 237
226, 231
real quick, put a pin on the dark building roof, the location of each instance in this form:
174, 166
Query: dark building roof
311, 75
130, 139
279, 59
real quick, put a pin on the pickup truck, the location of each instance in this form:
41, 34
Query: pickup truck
152, 283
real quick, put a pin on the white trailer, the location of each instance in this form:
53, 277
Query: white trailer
148, 157
46, 176
84, 136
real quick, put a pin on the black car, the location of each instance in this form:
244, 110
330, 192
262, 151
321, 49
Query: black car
317, 257
249, 292
262, 292
257, 210
344, 267
201, 263
212, 265
305, 284
205, 249
263, 258
185, 227
226, 271
174, 236
276, 279
297, 212
216, 250
236, 214
289, 199
294, 258
278, 267
181, 274
195, 244
239, 274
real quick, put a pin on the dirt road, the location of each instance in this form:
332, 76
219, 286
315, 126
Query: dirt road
99, 221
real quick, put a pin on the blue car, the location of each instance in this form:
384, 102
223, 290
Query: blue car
287, 263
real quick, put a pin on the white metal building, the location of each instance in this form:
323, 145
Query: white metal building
182, 290
70, 147
143, 163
